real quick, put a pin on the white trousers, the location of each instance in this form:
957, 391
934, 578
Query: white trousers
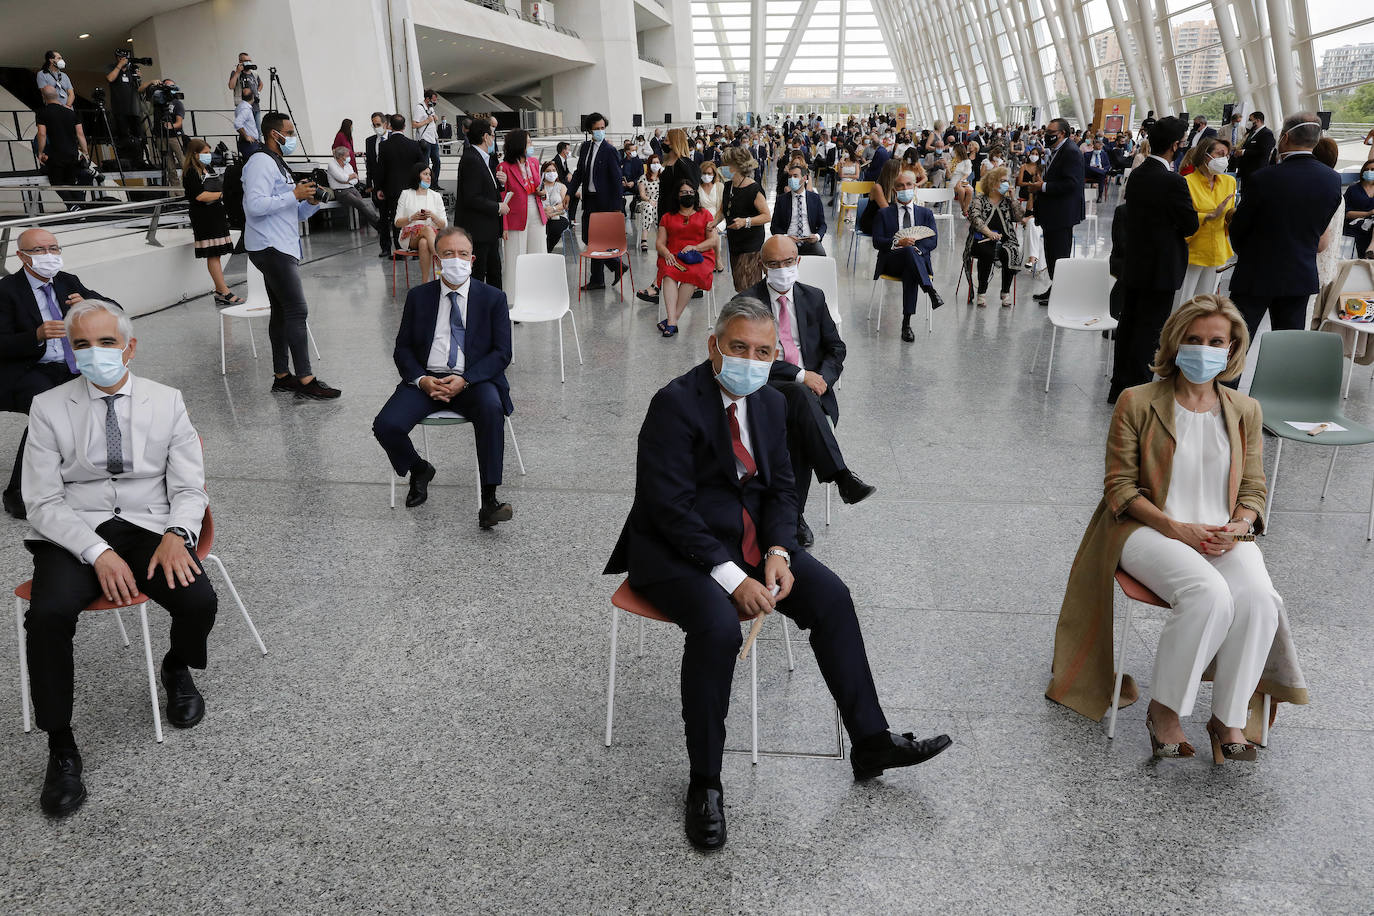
1033, 245
529, 240
1223, 607
1196, 281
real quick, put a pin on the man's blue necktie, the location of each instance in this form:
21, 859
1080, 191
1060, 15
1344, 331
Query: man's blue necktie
456, 329
55, 314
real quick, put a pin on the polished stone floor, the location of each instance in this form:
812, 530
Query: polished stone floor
426, 732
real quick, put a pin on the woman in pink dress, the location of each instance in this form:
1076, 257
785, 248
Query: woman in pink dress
686, 232
344, 138
524, 225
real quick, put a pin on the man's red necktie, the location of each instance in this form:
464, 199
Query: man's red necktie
749, 541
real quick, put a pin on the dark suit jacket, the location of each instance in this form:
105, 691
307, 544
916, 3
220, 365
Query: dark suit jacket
1059, 205
479, 199
631, 169
822, 350
686, 515
1276, 227
1255, 154
486, 343
20, 317
562, 170
395, 159
875, 166
609, 192
782, 213
370, 160
1160, 217
885, 226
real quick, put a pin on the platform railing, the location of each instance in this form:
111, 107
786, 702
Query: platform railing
144, 216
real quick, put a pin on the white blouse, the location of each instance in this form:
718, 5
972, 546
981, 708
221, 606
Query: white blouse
961, 172
413, 201
1200, 480
710, 195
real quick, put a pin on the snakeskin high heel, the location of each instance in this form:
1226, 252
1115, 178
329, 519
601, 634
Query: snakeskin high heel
1182, 749
1229, 750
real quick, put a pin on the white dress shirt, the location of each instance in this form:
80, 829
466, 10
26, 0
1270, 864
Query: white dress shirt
437, 364
53, 353
1162, 161
791, 309
430, 132
341, 176
243, 119
800, 224
95, 449
729, 575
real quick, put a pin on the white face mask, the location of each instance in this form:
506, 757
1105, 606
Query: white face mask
379, 130
781, 279
1219, 165
456, 271
654, 167
61, 65
46, 265
707, 178
550, 177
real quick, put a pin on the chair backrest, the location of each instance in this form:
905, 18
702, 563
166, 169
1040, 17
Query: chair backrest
927, 196
1298, 369
859, 208
605, 231
1082, 287
824, 274
541, 283
206, 542
856, 187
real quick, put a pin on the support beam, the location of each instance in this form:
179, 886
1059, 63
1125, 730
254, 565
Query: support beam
1065, 59
1166, 42
839, 57
1228, 29
789, 52
1128, 54
758, 30
727, 58
1145, 35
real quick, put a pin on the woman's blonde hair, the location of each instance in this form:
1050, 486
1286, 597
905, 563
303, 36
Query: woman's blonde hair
677, 141
1176, 328
992, 178
709, 166
740, 160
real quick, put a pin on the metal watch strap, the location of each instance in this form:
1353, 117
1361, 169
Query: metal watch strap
779, 552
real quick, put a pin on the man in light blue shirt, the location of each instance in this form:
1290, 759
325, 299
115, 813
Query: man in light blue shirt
273, 206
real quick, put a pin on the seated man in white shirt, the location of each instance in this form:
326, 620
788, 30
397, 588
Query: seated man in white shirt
343, 181
114, 485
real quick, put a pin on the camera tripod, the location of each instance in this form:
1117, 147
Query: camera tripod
109, 132
274, 85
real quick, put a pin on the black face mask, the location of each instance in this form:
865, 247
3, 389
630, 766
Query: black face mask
688, 200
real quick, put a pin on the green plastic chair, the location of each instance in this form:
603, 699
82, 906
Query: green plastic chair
1298, 377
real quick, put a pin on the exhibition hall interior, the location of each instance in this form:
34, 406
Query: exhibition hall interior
687, 456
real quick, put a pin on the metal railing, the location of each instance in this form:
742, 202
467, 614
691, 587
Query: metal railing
497, 6
173, 202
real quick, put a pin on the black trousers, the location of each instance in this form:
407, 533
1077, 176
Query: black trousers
486, 265
598, 268
128, 136
913, 267
60, 173
1137, 337
819, 602
432, 151
386, 224
984, 253
553, 232
286, 325
812, 248
1058, 244
19, 397
63, 586
408, 405
1286, 313
811, 441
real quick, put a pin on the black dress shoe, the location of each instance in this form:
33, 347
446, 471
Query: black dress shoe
185, 705
491, 513
1042, 298
705, 820
908, 335
63, 790
805, 536
420, 476
935, 300
14, 504
852, 489
595, 284
895, 751
383, 254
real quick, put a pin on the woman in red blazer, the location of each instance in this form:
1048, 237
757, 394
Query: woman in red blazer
344, 138
523, 223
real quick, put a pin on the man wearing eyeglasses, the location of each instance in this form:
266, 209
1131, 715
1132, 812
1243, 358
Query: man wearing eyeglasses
34, 353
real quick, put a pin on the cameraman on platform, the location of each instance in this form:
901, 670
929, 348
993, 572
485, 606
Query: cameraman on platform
273, 206
126, 117
169, 114
245, 76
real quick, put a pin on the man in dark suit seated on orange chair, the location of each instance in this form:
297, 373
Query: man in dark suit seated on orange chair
712, 534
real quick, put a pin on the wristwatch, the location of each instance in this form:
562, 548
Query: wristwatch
1251, 529
779, 552
183, 534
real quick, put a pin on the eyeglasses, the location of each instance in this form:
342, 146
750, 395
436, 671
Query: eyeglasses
51, 249
774, 265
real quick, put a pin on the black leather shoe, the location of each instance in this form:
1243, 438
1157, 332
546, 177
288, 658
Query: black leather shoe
705, 820
63, 790
420, 476
935, 300
185, 705
1042, 298
14, 504
908, 335
805, 536
896, 751
852, 489
596, 284
491, 513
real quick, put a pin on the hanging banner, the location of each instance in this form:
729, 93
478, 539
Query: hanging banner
901, 117
963, 114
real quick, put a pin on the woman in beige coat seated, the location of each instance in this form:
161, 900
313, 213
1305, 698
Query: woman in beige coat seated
1184, 495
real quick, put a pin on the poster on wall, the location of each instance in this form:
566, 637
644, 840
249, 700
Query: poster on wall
901, 117
725, 103
962, 115
541, 12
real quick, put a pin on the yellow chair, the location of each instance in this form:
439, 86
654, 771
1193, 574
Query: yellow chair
861, 188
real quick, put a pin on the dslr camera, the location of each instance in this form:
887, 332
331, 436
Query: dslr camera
163, 93
323, 192
128, 54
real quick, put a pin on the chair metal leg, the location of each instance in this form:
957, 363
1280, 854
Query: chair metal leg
123, 633
839, 734
234, 593
827, 503
23, 662
610, 681
1049, 371
787, 641
1120, 666
1345, 393
1273, 484
391, 475
1329, 468
252, 341
513, 441
576, 340
222, 369
477, 474
872, 300
311, 335
152, 678
1264, 721
562, 375
754, 704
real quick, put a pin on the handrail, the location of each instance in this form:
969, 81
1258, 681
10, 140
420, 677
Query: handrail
497, 6
7, 227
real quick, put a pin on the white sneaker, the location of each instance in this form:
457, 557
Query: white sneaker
1006, 300
982, 300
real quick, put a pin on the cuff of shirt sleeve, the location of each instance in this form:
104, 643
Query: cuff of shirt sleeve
801, 375
91, 553
728, 576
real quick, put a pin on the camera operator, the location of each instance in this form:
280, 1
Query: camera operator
169, 114
60, 138
125, 110
245, 76
273, 206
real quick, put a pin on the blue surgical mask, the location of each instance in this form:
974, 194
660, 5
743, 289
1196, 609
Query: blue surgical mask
289, 144
101, 365
742, 377
1004, 187
794, 184
906, 195
725, 172
424, 186
1367, 176
598, 135
1201, 364
204, 158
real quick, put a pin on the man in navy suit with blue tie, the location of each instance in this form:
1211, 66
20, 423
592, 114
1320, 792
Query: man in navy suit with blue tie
712, 536
599, 183
1096, 167
799, 213
909, 259
452, 351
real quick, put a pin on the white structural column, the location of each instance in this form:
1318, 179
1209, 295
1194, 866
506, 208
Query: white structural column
1281, 35
789, 53
1228, 29
1128, 57
952, 39
1166, 45
982, 72
992, 58
1074, 63
1062, 54
1272, 104
727, 57
1085, 51
1032, 90
839, 59
1145, 35
758, 30
1021, 14
1310, 98
900, 52
611, 86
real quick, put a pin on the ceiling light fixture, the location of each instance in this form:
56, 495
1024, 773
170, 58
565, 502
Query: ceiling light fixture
84, 35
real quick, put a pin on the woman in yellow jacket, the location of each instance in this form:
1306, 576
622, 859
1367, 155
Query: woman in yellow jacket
1214, 198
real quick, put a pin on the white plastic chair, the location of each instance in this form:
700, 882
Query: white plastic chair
929, 197
1089, 220
542, 281
248, 311
1078, 302
823, 273
453, 418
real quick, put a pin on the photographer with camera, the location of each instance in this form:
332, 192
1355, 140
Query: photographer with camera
245, 77
426, 124
169, 113
126, 117
273, 206
60, 139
